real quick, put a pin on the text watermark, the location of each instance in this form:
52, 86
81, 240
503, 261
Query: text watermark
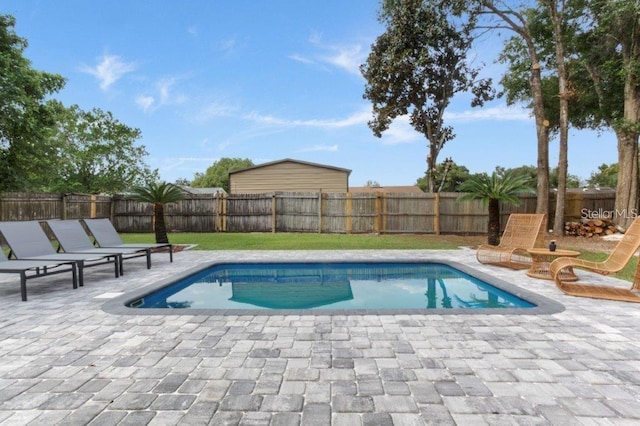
609, 214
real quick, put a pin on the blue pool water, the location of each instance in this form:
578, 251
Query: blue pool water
313, 286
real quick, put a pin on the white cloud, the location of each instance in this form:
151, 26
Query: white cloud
214, 110
172, 168
354, 119
167, 95
163, 95
300, 58
226, 45
318, 148
144, 102
498, 113
345, 56
400, 132
174, 163
110, 69
348, 58
315, 37
250, 133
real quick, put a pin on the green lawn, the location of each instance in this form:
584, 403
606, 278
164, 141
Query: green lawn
295, 241
285, 241
627, 273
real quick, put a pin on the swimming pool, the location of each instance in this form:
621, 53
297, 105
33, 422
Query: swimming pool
314, 287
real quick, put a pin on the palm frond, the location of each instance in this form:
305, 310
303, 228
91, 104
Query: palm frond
158, 192
505, 188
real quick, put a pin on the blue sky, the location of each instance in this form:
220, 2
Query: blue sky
264, 80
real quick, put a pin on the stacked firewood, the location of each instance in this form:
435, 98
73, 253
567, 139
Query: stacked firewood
598, 227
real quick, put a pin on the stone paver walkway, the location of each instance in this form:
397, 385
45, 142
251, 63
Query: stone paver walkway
63, 360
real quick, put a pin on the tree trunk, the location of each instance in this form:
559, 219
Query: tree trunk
493, 229
627, 189
517, 22
626, 206
563, 163
542, 133
161, 228
432, 161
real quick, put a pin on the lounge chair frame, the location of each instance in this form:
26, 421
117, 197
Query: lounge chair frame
619, 257
35, 268
523, 231
72, 238
28, 241
105, 235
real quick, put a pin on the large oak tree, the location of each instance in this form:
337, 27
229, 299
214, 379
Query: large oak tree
217, 175
45, 146
26, 112
515, 17
609, 52
98, 154
417, 66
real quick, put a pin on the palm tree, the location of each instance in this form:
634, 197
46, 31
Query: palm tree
158, 194
493, 190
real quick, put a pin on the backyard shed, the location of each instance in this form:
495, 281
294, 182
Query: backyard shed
289, 175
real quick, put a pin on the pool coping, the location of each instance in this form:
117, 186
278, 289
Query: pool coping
543, 305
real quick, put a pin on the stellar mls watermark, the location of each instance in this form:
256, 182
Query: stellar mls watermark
608, 214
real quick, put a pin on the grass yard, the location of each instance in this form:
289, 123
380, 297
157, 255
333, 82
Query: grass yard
591, 250
301, 241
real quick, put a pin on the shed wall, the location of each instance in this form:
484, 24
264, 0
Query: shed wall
292, 177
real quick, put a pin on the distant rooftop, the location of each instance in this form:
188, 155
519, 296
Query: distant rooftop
379, 188
194, 191
593, 189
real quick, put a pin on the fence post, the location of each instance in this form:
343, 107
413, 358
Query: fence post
93, 206
377, 227
112, 211
225, 202
320, 212
221, 200
436, 211
273, 213
63, 213
383, 216
348, 214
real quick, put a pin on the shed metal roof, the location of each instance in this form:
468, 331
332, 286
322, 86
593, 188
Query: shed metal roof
289, 160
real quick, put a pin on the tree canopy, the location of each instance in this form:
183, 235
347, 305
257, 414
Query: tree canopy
602, 86
100, 155
417, 65
606, 175
26, 112
448, 178
217, 175
81, 151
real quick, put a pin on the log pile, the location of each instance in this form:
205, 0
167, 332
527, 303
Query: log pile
590, 228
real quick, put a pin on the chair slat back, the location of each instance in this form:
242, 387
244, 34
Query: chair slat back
524, 230
626, 247
70, 235
104, 232
26, 239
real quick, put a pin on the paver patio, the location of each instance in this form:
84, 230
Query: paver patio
63, 360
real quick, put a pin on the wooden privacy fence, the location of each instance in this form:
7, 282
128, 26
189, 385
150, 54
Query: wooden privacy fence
350, 213
40, 206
